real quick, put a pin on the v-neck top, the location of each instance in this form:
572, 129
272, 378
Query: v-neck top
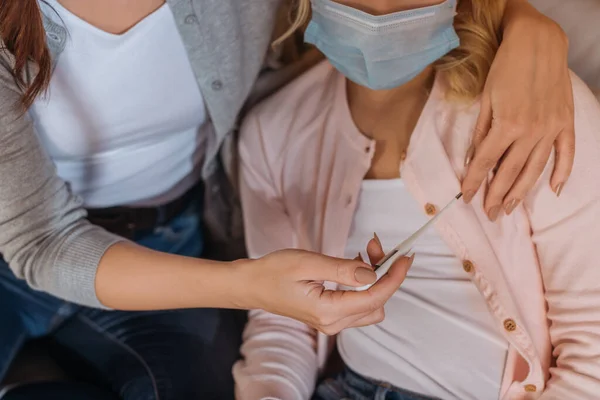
123, 113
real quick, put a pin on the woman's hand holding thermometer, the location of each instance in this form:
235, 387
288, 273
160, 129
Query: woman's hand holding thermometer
382, 267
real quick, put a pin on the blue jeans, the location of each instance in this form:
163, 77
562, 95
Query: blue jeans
157, 355
348, 385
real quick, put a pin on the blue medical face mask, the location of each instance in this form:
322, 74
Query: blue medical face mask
382, 52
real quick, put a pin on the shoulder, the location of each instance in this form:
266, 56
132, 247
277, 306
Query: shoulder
586, 168
258, 9
10, 94
587, 107
587, 138
256, 18
7, 64
284, 116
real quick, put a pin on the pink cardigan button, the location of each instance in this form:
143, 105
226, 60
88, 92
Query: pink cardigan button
530, 388
430, 209
510, 325
468, 266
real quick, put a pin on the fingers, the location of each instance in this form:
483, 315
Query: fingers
505, 195
482, 127
487, 155
352, 303
354, 273
565, 142
521, 167
529, 176
565, 155
509, 170
340, 309
363, 308
390, 282
355, 321
375, 250
373, 318
350, 322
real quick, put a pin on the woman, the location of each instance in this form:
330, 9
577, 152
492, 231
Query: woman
127, 131
373, 140
137, 121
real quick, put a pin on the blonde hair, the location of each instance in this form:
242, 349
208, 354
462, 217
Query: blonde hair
465, 69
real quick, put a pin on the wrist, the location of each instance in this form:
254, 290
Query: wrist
242, 285
210, 284
512, 12
521, 18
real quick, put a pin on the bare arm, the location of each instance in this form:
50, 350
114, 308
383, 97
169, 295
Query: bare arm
136, 278
46, 239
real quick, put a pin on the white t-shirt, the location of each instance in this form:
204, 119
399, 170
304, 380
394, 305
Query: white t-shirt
121, 120
438, 337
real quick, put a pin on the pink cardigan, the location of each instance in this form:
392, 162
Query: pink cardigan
302, 163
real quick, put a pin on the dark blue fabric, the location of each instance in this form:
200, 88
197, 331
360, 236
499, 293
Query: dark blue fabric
158, 355
348, 385
59, 391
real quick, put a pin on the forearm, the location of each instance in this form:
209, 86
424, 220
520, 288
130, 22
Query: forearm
131, 277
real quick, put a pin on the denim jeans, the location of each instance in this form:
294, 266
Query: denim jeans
348, 385
157, 355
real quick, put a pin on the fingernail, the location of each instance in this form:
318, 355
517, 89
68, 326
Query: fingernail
558, 189
377, 239
468, 196
364, 276
411, 258
469, 156
493, 213
510, 206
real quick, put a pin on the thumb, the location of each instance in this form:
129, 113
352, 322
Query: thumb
354, 303
353, 273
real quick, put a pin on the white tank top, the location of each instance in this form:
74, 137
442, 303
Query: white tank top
438, 337
123, 112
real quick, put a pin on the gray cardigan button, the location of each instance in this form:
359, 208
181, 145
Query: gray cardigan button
191, 19
217, 85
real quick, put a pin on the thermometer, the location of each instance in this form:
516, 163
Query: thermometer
383, 266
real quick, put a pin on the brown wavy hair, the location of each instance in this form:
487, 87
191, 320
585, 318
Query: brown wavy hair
23, 36
477, 23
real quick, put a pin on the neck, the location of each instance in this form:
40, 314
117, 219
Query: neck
390, 114
112, 16
379, 101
